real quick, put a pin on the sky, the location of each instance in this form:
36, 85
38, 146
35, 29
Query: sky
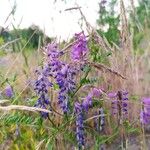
49, 16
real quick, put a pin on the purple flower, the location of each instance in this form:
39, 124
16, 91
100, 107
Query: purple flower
112, 95
50, 68
96, 92
63, 73
114, 102
87, 102
119, 102
52, 52
125, 102
114, 106
145, 112
9, 91
79, 125
66, 81
53, 64
80, 47
41, 87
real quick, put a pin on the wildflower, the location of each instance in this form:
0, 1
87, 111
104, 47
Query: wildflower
145, 112
66, 81
79, 125
53, 64
42, 84
114, 102
125, 102
9, 91
112, 95
87, 102
63, 73
80, 47
52, 51
96, 92
119, 102
41, 87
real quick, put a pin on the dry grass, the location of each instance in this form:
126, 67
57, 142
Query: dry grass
24, 108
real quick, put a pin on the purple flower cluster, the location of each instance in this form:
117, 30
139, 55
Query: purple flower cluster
119, 102
80, 48
9, 91
125, 102
87, 102
79, 125
96, 92
84, 106
145, 112
66, 81
50, 69
62, 73
41, 87
53, 64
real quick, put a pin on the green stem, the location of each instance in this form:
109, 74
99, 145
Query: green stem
80, 84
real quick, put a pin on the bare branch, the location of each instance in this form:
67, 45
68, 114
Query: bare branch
101, 67
72, 8
8, 43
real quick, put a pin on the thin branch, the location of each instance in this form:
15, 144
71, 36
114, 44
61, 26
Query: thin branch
101, 67
72, 8
8, 43
97, 36
96, 116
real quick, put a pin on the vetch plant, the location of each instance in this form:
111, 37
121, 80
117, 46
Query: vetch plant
145, 112
79, 125
80, 48
119, 103
66, 81
8, 91
41, 87
64, 74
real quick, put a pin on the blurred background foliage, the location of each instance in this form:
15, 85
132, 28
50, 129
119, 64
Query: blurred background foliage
108, 27
34, 33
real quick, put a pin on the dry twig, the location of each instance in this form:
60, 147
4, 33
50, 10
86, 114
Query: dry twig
103, 67
21, 107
